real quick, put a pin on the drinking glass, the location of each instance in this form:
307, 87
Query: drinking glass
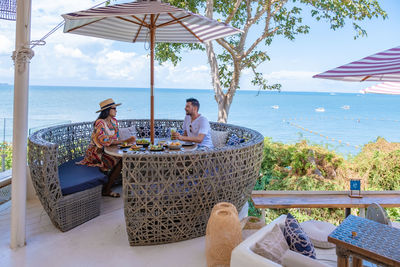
173, 130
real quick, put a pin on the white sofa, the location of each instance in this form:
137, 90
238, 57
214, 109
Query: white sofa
242, 255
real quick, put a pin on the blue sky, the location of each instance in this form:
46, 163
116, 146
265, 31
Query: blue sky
74, 60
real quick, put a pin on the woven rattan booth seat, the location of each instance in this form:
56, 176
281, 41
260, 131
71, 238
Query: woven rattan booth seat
50, 148
168, 197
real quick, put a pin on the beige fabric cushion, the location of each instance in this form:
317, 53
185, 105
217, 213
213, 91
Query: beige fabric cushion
218, 138
272, 246
318, 232
295, 259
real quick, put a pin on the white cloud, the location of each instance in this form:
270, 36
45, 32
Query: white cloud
120, 65
6, 46
289, 75
183, 76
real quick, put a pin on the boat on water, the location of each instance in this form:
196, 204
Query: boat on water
346, 107
320, 110
275, 107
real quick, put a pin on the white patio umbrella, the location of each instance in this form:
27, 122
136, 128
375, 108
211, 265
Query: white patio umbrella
387, 88
383, 66
146, 21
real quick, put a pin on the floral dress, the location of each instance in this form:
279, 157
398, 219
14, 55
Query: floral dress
103, 134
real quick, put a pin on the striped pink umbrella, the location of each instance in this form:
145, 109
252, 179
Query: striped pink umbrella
146, 21
388, 88
383, 66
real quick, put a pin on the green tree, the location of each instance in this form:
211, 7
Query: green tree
277, 18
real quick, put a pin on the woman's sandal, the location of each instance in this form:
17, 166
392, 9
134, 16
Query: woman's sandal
111, 194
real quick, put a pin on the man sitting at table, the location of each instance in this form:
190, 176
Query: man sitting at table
195, 126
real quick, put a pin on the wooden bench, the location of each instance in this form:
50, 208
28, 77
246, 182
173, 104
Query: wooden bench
323, 199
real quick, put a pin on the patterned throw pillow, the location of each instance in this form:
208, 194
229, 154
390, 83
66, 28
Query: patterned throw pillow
233, 140
272, 246
296, 238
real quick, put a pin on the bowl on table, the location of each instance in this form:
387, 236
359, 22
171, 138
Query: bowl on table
143, 142
174, 145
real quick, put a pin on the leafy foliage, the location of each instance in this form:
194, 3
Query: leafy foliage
310, 167
6, 149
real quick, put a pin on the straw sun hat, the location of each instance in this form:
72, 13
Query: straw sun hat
108, 103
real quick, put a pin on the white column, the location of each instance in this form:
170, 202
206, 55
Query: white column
21, 57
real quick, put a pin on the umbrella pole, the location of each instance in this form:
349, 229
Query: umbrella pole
152, 33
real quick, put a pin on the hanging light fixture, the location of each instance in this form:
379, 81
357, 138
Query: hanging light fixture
8, 9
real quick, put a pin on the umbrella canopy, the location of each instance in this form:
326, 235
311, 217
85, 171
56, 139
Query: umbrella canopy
146, 21
383, 66
387, 88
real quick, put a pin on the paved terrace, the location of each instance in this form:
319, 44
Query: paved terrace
98, 242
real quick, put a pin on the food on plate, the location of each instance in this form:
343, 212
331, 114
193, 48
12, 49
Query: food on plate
156, 147
175, 144
135, 147
142, 142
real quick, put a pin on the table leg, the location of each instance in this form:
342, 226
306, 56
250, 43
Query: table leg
357, 262
342, 261
347, 212
342, 257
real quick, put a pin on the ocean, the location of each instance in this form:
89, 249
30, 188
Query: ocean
342, 122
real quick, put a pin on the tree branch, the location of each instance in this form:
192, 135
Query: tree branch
232, 14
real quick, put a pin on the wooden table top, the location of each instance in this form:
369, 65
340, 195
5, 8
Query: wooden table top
373, 240
115, 151
323, 199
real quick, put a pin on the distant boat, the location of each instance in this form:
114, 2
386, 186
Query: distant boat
346, 107
332, 94
320, 110
275, 107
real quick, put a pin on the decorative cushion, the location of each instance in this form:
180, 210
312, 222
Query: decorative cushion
294, 259
296, 238
76, 178
233, 140
125, 133
318, 233
272, 246
218, 138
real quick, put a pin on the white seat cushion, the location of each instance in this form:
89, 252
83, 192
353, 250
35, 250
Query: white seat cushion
218, 138
295, 259
318, 232
396, 224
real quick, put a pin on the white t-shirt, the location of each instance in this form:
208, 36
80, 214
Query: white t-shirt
199, 126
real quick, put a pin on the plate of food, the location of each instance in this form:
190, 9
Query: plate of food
136, 148
187, 143
175, 145
143, 142
124, 145
156, 148
163, 143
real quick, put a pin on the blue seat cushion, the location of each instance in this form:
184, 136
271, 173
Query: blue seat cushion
76, 178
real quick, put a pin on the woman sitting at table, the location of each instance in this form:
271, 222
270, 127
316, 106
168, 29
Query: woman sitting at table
105, 133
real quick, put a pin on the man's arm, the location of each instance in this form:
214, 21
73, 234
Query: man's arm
196, 139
